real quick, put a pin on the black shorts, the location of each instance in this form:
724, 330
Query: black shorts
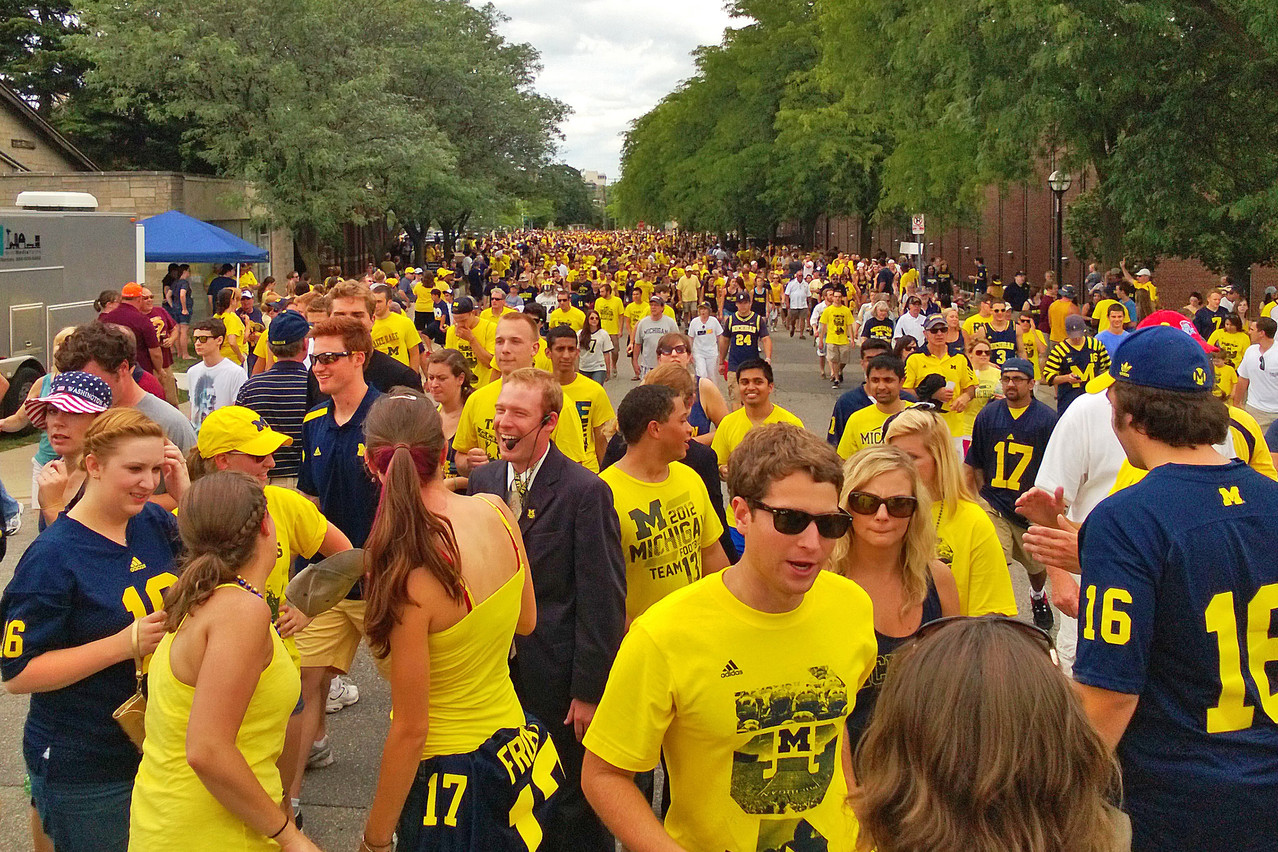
493, 798
420, 318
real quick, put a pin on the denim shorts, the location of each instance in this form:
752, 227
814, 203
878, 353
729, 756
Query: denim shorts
83, 817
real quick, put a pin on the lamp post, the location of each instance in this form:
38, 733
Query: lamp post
1060, 181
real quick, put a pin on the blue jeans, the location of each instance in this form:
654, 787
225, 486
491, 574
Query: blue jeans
89, 817
9, 507
599, 376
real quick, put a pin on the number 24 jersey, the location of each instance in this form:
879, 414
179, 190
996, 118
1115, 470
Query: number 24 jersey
1178, 603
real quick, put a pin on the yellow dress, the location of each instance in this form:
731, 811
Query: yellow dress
171, 808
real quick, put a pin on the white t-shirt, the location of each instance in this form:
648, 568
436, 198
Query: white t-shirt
592, 357
705, 336
913, 326
817, 310
1083, 455
213, 387
797, 292
1262, 392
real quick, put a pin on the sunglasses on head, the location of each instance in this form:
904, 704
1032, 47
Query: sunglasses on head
329, 357
864, 503
795, 521
1038, 634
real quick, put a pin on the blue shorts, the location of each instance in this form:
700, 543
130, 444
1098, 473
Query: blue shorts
493, 798
91, 816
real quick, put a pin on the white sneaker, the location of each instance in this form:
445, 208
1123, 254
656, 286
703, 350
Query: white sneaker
341, 693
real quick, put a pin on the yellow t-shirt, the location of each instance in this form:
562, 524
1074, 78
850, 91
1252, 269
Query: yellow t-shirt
299, 531
838, 322
634, 312
664, 526
610, 312
485, 333
863, 429
644, 286
248, 279
475, 428
1226, 378
572, 317
689, 287
974, 325
234, 328
593, 408
1101, 313
749, 709
1056, 313
541, 360
956, 371
1232, 343
1035, 345
425, 301
966, 541
733, 428
396, 335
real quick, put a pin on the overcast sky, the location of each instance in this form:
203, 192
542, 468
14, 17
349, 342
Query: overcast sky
611, 61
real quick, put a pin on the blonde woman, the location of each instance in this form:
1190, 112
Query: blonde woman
965, 537
954, 759
890, 552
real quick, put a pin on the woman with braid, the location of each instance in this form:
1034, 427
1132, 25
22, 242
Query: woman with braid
448, 587
221, 688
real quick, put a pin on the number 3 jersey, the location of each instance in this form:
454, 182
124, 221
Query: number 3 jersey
749, 709
1178, 605
74, 586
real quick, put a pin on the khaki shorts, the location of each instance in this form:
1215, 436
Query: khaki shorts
1010, 537
837, 353
332, 638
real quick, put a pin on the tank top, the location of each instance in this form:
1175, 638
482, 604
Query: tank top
697, 417
868, 695
1002, 343
958, 345
471, 694
172, 809
45, 453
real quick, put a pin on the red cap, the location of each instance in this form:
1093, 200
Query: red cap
1175, 319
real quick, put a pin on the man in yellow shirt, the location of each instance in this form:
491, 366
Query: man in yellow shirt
688, 287
473, 338
588, 396
833, 329
1057, 312
610, 310
566, 314
477, 440
669, 529
864, 428
496, 305
395, 333
974, 326
935, 358
755, 641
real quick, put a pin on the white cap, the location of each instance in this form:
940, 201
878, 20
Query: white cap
1144, 270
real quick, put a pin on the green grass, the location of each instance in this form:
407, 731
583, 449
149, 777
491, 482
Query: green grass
11, 442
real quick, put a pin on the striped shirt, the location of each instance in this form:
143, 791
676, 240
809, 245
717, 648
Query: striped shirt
280, 396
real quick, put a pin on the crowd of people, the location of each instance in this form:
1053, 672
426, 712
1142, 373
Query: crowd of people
815, 643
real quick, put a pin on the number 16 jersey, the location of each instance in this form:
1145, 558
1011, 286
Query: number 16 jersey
1178, 600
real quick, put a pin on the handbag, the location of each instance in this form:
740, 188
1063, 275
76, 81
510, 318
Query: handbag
131, 715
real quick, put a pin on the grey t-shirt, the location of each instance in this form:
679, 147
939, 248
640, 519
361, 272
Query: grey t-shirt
177, 427
649, 332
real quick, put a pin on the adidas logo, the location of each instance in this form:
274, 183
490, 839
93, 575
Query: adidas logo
136, 565
730, 670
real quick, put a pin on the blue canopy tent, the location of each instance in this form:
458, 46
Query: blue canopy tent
174, 237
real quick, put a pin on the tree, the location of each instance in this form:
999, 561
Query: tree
36, 57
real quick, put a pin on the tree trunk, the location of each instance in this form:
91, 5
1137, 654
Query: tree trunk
1241, 276
306, 240
865, 235
807, 234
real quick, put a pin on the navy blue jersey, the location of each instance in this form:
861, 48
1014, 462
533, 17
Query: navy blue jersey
880, 329
1178, 598
1087, 362
333, 470
744, 336
73, 586
1007, 447
1002, 343
493, 798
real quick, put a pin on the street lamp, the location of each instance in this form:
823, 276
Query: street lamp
1060, 182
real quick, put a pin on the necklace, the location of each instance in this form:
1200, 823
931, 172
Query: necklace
247, 586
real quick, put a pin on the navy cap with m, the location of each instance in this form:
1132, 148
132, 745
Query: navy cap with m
1163, 357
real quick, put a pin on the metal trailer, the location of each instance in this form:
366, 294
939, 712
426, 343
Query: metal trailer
56, 254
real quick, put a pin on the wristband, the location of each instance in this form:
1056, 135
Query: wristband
281, 831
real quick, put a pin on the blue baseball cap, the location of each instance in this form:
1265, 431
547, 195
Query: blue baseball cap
1017, 365
288, 327
1162, 357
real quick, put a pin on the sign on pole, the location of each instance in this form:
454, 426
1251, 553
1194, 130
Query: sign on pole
916, 223
911, 248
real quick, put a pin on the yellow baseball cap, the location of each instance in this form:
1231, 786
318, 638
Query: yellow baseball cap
236, 429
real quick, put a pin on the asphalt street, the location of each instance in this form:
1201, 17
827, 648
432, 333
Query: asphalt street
335, 798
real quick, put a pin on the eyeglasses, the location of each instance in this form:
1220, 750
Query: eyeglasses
795, 521
1038, 634
198, 338
258, 459
673, 350
327, 358
864, 503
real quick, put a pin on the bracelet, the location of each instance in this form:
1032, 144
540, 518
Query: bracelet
365, 846
281, 831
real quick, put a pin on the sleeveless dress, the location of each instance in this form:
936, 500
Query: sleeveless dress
172, 809
868, 695
487, 769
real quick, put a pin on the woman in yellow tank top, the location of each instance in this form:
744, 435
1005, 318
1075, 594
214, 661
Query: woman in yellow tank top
221, 688
463, 767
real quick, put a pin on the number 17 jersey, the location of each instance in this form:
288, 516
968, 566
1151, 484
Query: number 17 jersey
1178, 600
1007, 447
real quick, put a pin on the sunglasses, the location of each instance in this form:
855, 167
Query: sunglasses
197, 338
1038, 634
980, 351
329, 357
864, 503
673, 350
794, 521
258, 459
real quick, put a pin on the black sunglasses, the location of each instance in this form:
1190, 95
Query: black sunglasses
329, 357
1038, 634
673, 350
795, 521
864, 503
